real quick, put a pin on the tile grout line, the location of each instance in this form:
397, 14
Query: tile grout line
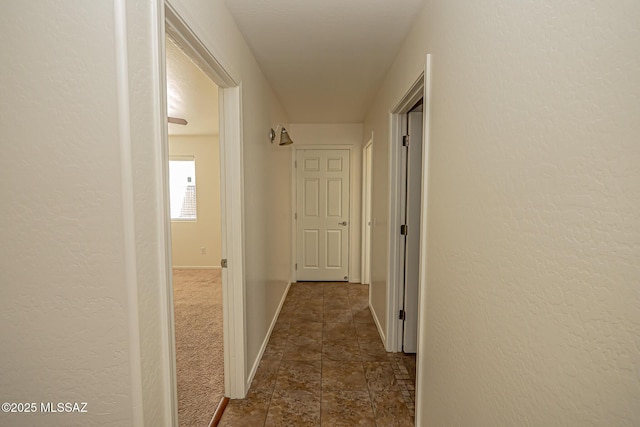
273, 389
401, 370
363, 367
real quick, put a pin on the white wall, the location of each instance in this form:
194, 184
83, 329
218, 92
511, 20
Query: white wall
189, 237
67, 334
326, 134
84, 286
349, 134
533, 304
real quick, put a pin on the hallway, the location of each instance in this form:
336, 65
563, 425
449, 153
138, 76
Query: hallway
325, 365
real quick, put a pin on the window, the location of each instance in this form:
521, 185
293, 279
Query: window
182, 193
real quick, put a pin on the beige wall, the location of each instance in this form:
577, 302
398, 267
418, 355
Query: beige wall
349, 134
326, 134
84, 286
189, 237
67, 332
533, 304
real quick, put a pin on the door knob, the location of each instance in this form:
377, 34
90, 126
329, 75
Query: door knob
342, 223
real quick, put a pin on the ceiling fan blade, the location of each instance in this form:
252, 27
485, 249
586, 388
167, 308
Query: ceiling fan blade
176, 121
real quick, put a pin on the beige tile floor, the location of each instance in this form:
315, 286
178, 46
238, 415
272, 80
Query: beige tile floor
325, 365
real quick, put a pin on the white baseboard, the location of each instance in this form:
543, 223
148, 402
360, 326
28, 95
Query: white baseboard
256, 363
197, 267
377, 322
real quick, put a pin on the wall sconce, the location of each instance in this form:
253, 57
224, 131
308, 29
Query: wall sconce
285, 139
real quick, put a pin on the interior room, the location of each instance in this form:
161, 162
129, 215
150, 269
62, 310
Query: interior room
194, 198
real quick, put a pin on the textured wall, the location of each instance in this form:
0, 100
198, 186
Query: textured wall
188, 237
533, 296
328, 133
83, 295
64, 323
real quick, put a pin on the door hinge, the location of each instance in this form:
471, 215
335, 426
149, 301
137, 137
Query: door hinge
296, 265
402, 315
405, 140
223, 263
295, 215
404, 229
295, 163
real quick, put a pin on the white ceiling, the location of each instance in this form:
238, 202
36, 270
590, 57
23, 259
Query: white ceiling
191, 95
325, 59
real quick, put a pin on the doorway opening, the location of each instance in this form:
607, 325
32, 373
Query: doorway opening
406, 233
404, 261
410, 214
194, 198
231, 215
410, 115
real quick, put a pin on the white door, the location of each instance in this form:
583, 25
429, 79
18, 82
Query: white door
412, 248
322, 212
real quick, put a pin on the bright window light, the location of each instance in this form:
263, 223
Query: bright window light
182, 182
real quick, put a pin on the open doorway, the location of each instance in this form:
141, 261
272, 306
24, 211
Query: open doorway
406, 201
231, 208
406, 234
410, 115
194, 196
410, 214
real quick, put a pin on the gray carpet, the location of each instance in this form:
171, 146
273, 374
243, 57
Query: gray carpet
199, 353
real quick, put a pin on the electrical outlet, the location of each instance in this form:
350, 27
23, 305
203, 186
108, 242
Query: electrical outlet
203, 251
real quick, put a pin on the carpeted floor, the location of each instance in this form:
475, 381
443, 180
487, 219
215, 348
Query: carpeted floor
199, 354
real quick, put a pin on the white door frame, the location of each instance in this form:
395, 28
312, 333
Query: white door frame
394, 272
422, 296
419, 89
366, 211
412, 214
354, 179
231, 204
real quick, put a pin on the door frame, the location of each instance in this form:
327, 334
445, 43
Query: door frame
395, 264
366, 209
421, 88
395, 292
410, 247
354, 179
231, 203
